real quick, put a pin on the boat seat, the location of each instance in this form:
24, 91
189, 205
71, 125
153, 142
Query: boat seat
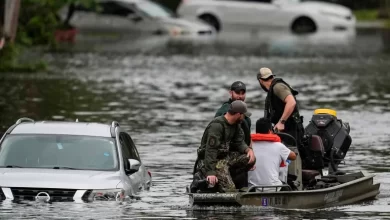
316, 144
308, 175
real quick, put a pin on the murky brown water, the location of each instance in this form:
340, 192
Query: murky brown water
164, 94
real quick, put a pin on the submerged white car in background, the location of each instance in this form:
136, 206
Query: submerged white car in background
137, 17
295, 15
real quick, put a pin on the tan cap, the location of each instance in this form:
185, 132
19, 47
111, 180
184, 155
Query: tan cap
239, 106
264, 73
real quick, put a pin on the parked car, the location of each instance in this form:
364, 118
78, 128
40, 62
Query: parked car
70, 161
296, 15
138, 17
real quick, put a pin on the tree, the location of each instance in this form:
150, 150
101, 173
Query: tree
37, 24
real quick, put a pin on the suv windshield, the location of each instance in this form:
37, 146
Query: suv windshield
59, 152
153, 9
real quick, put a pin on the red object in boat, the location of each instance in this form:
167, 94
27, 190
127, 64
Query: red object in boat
66, 35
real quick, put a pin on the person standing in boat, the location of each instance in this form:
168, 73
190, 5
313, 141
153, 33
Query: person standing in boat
222, 149
237, 92
270, 155
280, 105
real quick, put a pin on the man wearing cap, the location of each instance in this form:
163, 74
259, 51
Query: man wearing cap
238, 92
223, 149
280, 105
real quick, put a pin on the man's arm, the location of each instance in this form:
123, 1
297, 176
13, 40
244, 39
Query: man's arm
292, 155
283, 93
212, 145
239, 142
289, 108
286, 153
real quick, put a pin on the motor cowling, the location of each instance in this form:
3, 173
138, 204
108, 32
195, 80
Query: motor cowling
334, 134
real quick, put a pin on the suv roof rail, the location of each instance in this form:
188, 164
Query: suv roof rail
114, 124
20, 120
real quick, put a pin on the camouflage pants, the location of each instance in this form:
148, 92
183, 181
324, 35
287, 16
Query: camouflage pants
234, 162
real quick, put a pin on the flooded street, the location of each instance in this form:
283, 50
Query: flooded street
164, 94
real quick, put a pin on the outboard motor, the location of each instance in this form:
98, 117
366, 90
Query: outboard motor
335, 138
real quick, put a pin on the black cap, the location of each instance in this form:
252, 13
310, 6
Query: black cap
238, 86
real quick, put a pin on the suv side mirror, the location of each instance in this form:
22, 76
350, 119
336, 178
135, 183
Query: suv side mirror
134, 166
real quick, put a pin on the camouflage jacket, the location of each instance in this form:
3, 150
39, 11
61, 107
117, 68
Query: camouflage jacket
219, 138
245, 125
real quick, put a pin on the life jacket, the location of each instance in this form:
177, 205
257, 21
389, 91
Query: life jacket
274, 107
267, 137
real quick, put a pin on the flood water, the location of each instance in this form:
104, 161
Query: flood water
164, 94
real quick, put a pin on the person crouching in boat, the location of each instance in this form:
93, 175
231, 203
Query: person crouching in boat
223, 148
270, 155
238, 92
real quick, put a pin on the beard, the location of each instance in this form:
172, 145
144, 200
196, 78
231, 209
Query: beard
237, 98
239, 120
263, 87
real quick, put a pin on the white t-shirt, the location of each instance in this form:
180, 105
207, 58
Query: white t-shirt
269, 155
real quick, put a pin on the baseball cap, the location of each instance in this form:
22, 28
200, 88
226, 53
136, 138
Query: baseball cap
240, 107
264, 73
238, 86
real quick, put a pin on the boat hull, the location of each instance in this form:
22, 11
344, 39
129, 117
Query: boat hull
353, 188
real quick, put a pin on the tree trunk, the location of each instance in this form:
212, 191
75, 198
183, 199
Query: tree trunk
384, 10
2, 17
11, 12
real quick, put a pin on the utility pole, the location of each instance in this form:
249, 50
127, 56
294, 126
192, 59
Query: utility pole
9, 13
2, 17
384, 11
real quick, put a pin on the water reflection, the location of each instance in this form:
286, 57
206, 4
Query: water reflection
260, 42
164, 95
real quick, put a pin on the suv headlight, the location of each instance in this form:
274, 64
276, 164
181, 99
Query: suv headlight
107, 195
175, 31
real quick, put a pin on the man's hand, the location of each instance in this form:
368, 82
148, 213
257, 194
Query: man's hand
279, 127
253, 168
251, 156
212, 180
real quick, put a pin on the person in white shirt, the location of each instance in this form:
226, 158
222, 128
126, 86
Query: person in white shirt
270, 154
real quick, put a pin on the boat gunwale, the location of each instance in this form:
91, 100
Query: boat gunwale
343, 185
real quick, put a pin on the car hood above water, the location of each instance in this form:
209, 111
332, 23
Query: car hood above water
54, 178
327, 7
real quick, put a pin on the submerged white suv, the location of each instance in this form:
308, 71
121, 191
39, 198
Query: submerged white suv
70, 161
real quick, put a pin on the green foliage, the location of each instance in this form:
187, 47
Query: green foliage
10, 63
366, 15
38, 21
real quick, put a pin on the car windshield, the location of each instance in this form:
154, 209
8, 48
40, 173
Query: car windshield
59, 152
154, 10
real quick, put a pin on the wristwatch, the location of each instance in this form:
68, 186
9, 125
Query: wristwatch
282, 121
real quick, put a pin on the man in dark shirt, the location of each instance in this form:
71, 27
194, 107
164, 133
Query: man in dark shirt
222, 149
